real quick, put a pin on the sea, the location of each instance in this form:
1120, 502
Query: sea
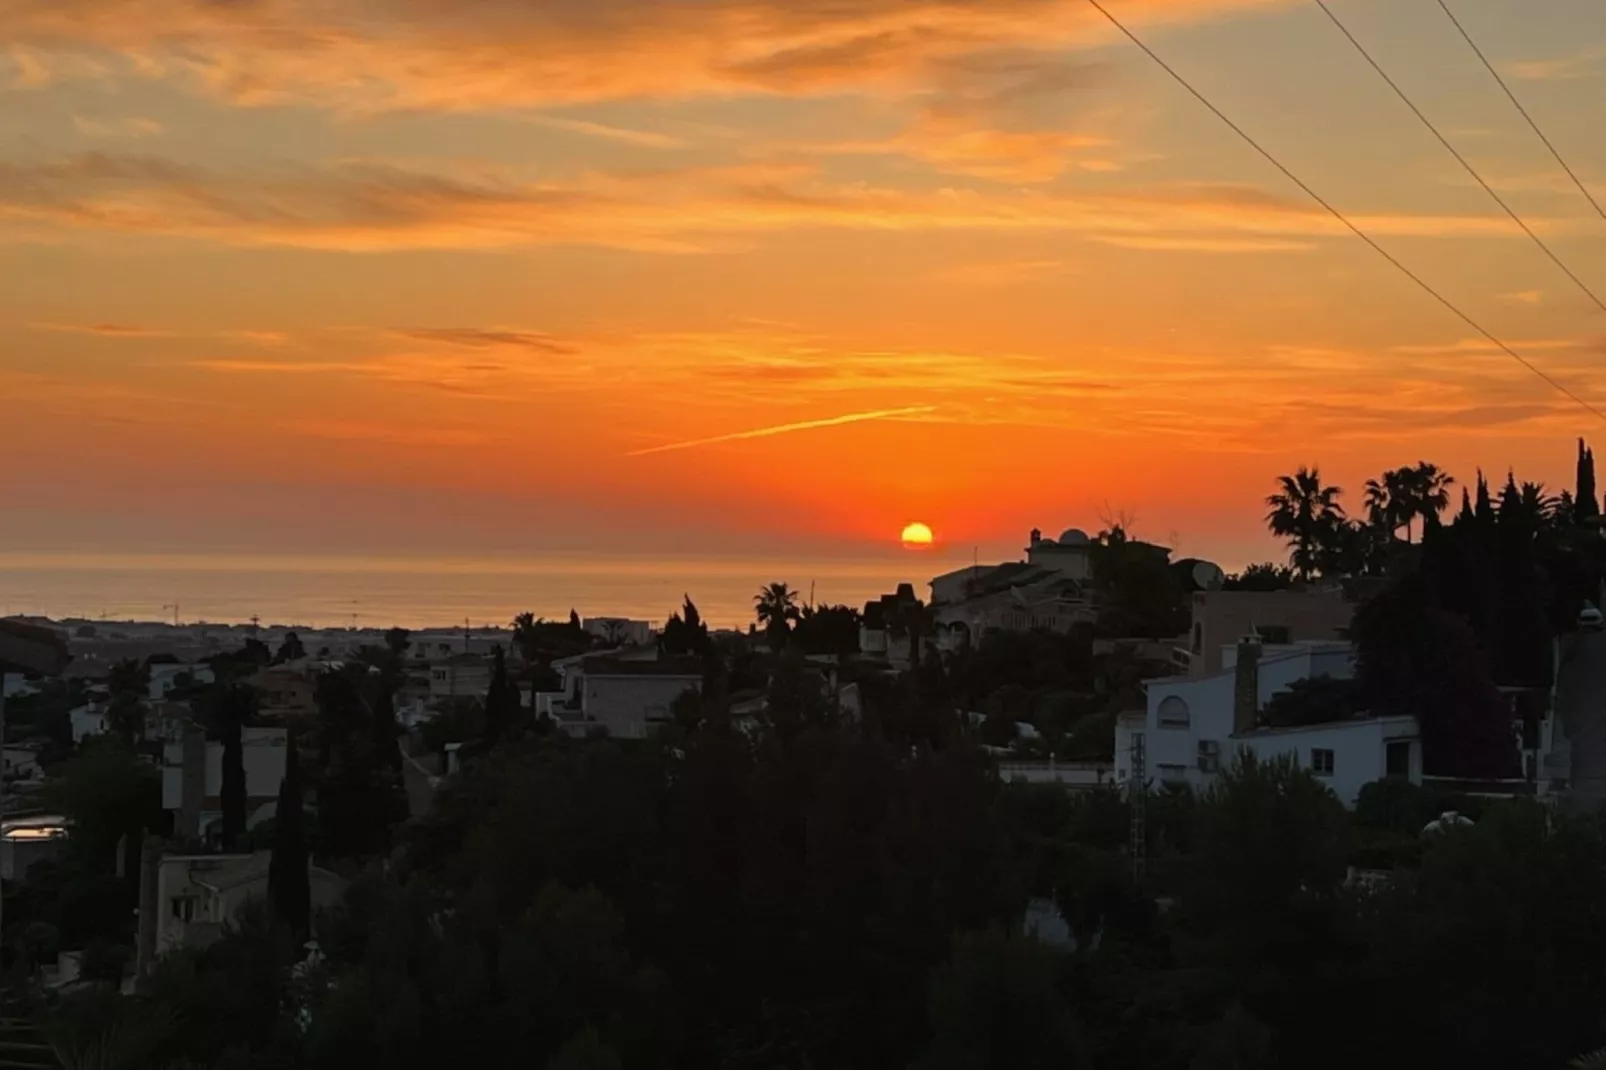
414, 592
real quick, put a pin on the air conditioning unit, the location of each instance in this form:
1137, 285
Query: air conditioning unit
1209, 756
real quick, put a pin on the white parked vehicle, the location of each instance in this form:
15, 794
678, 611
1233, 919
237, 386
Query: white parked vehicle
1590, 618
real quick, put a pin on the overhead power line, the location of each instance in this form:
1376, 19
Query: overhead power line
1340, 216
1462, 160
1501, 82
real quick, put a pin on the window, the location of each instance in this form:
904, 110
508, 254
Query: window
184, 907
1198, 638
1397, 759
1209, 756
1172, 774
1174, 713
1275, 634
438, 675
1321, 761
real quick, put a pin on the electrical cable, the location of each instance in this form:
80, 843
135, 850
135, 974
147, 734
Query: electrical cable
1462, 160
1340, 216
1501, 82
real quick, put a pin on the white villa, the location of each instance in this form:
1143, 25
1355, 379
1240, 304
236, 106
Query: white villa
1194, 725
626, 692
1047, 590
197, 895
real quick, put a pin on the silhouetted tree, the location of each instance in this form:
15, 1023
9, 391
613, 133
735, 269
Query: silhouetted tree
289, 882
1586, 501
775, 608
998, 1004
290, 650
232, 709
1415, 659
685, 632
1484, 511
502, 701
1263, 576
1304, 511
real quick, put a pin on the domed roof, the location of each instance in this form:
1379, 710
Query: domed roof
1073, 537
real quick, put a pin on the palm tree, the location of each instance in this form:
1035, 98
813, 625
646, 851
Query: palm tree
1390, 502
1305, 512
1538, 506
1430, 490
775, 606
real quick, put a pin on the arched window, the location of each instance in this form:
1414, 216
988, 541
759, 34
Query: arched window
1174, 713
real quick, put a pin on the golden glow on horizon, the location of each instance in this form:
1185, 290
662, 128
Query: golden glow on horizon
916, 536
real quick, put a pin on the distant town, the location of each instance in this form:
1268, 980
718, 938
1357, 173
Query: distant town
1416, 665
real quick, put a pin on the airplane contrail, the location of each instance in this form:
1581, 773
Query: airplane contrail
781, 429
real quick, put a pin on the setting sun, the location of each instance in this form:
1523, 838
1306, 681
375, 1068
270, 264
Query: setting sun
916, 536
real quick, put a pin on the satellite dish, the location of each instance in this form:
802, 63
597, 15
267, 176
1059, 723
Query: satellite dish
1208, 576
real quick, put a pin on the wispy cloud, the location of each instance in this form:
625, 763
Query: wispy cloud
1563, 68
1525, 297
458, 55
373, 207
481, 338
642, 138
132, 331
105, 330
133, 127
785, 429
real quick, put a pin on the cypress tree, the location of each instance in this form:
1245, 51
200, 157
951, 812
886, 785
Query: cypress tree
1587, 503
289, 883
501, 701
1485, 508
232, 790
1466, 515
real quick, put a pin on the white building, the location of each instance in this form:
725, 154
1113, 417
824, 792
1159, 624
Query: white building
1070, 555
88, 720
22, 762
197, 895
1046, 591
618, 631
164, 678
263, 753
27, 840
627, 695
463, 676
1194, 725
1082, 775
16, 685
438, 645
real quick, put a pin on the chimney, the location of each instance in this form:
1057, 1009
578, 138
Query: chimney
1246, 685
1037, 536
192, 782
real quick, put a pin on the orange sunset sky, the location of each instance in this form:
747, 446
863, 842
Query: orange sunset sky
521, 275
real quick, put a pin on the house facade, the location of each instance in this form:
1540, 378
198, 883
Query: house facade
460, 676
619, 631
288, 691
198, 894
192, 778
630, 698
1221, 618
1194, 726
164, 678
